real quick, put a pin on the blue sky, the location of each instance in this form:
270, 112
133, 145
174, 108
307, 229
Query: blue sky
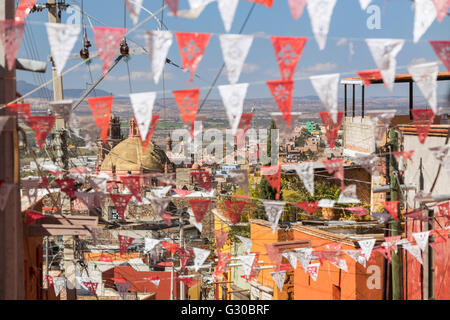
348, 21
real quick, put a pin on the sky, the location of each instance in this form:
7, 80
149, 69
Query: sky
346, 51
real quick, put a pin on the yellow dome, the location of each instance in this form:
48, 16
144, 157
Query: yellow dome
128, 156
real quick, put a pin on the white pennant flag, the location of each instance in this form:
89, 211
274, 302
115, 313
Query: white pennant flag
99, 181
421, 239
364, 3
247, 263
156, 282
326, 203
292, 257
233, 98
123, 289
425, 76
440, 153
235, 49
313, 270
348, 195
5, 190
356, 255
62, 38
200, 256
414, 251
384, 52
279, 278
304, 255
161, 193
273, 211
134, 8
63, 109
305, 172
366, 247
320, 12
158, 43
159, 205
286, 131
380, 120
142, 104
326, 87
58, 284
150, 244
198, 3
192, 13
193, 221
424, 17
342, 264
227, 9
247, 243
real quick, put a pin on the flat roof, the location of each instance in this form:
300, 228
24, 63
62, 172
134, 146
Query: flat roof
399, 78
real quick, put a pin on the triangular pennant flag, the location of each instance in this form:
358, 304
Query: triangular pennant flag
416, 215
150, 244
297, 7
425, 76
223, 259
357, 211
279, 277
63, 109
161, 193
159, 207
187, 102
273, 176
288, 51
132, 182
41, 126
240, 177
392, 208
31, 216
173, 6
134, 8
155, 280
424, 17
158, 43
101, 110
227, 9
380, 120
23, 110
23, 9
440, 153
326, 87
421, 239
348, 195
326, 203
107, 41
235, 48
341, 264
442, 7
311, 207
152, 128
423, 118
274, 255
442, 50
85, 128
320, 12
182, 193
142, 104
233, 99
292, 257
247, 263
368, 75
286, 132
199, 208
391, 242
336, 168
356, 255
203, 178
200, 255
188, 282
11, 33
247, 243
313, 270
198, 3
234, 210
221, 237
404, 155
364, 3
58, 284
304, 255
282, 93
67, 186
124, 243
171, 247
62, 38
192, 46
305, 171
120, 203
384, 52
185, 256
414, 251
331, 127
267, 3
123, 287
91, 286
444, 209
366, 247
274, 209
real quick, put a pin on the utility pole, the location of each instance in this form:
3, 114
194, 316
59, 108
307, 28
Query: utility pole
397, 261
182, 287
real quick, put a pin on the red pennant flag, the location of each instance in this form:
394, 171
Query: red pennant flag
224, 258
49, 280
67, 186
234, 210
267, 3
244, 125
23, 110
167, 218
311, 207
221, 237
288, 51
199, 208
41, 126
124, 243
133, 184
185, 256
331, 128
336, 168
392, 208
274, 255
120, 203
297, 7
101, 109
151, 130
416, 215
442, 7
33, 216
203, 178
11, 33
442, 50
165, 264
44, 183
173, 6
169, 246
391, 242
23, 9
107, 41
368, 75
403, 155
192, 46
444, 209
182, 193
187, 281
273, 176
423, 118
282, 93
187, 102
92, 286
357, 211
105, 257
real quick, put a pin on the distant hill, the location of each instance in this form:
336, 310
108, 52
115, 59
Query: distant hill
23, 87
